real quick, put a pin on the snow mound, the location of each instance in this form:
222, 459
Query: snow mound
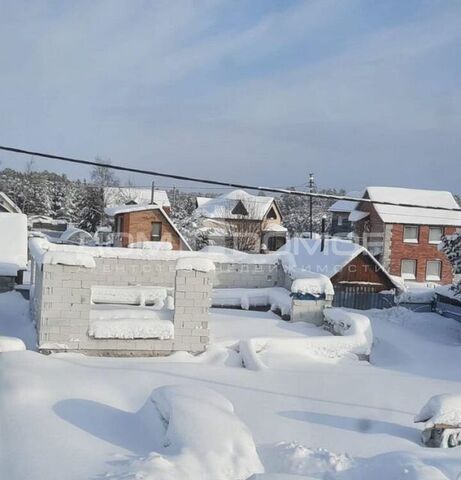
314, 284
160, 246
195, 263
441, 409
11, 344
203, 439
296, 459
65, 258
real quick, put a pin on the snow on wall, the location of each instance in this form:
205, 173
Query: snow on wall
130, 295
278, 298
314, 284
11, 344
199, 264
203, 438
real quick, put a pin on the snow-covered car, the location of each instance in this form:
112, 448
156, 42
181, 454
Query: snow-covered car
442, 417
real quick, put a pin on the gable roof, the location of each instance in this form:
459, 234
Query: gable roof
336, 254
141, 196
411, 215
224, 205
7, 204
119, 209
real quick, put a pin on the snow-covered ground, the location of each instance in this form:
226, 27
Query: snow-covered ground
76, 417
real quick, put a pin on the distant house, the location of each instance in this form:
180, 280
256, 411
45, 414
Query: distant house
135, 224
7, 205
341, 225
405, 239
114, 196
242, 221
53, 228
346, 264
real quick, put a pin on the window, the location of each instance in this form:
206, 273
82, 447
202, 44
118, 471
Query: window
433, 270
156, 233
435, 234
408, 269
274, 243
340, 220
410, 234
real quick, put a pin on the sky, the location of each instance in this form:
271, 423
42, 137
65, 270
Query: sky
360, 92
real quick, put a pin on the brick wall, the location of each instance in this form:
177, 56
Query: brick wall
137, 227
421, 252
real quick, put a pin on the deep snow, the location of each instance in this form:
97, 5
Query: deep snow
76, 417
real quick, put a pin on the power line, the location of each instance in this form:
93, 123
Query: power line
218, 182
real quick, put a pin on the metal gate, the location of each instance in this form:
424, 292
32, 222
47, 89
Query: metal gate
361, 297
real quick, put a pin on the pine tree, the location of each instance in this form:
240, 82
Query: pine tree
451, 246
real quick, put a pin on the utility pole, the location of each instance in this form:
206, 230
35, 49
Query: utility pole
311, 190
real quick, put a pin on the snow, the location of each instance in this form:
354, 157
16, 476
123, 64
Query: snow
80, 236
130, 322
118, 209
77, 417
357, 215
277, 298
274, 227
441, 409
222, 206
130, 295
423, 216
141, 196
314, 284
195, 263
344, 205
203, 438
449, 291
163, 246
76, 259
11, 344
13, 243
417, 293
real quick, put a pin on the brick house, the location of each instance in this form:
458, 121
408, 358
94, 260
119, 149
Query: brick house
115, 196
405, 239
145, 223
241, 221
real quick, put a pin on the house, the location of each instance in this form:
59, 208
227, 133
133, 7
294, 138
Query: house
144, 223
405, 239
53, 228
346, 264
114, 196
13, 249
341, 226
7, 205
241, 221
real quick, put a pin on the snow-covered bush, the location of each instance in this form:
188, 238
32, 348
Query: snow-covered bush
202, 439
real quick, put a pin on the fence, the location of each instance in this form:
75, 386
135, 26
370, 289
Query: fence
362, 298
448, 307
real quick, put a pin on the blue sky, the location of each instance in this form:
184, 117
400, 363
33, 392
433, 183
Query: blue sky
361, 92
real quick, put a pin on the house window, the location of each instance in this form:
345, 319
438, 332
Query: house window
433, 270
408, 269
156, 232
410, 234
435, 234
274, 243
340, 220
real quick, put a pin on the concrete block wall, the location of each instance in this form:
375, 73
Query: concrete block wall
237, 275
192, 295
309, 310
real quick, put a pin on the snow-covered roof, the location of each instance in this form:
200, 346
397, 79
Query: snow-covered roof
7, 204
337, 253
274, 227
141, 196
409, 215
223, 206
345, 206
13, 243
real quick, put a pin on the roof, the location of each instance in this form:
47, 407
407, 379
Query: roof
116, 210
336, 254
345, 206
141, 196
7, 204
409, 215
223, 206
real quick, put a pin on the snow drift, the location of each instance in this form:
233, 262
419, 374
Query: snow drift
203, 439
11, 344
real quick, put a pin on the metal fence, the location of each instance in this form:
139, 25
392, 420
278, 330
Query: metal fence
362, 298
448, 308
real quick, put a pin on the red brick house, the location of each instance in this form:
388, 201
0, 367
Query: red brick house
404, 239
135, 224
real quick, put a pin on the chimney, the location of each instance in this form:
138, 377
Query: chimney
152, 192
